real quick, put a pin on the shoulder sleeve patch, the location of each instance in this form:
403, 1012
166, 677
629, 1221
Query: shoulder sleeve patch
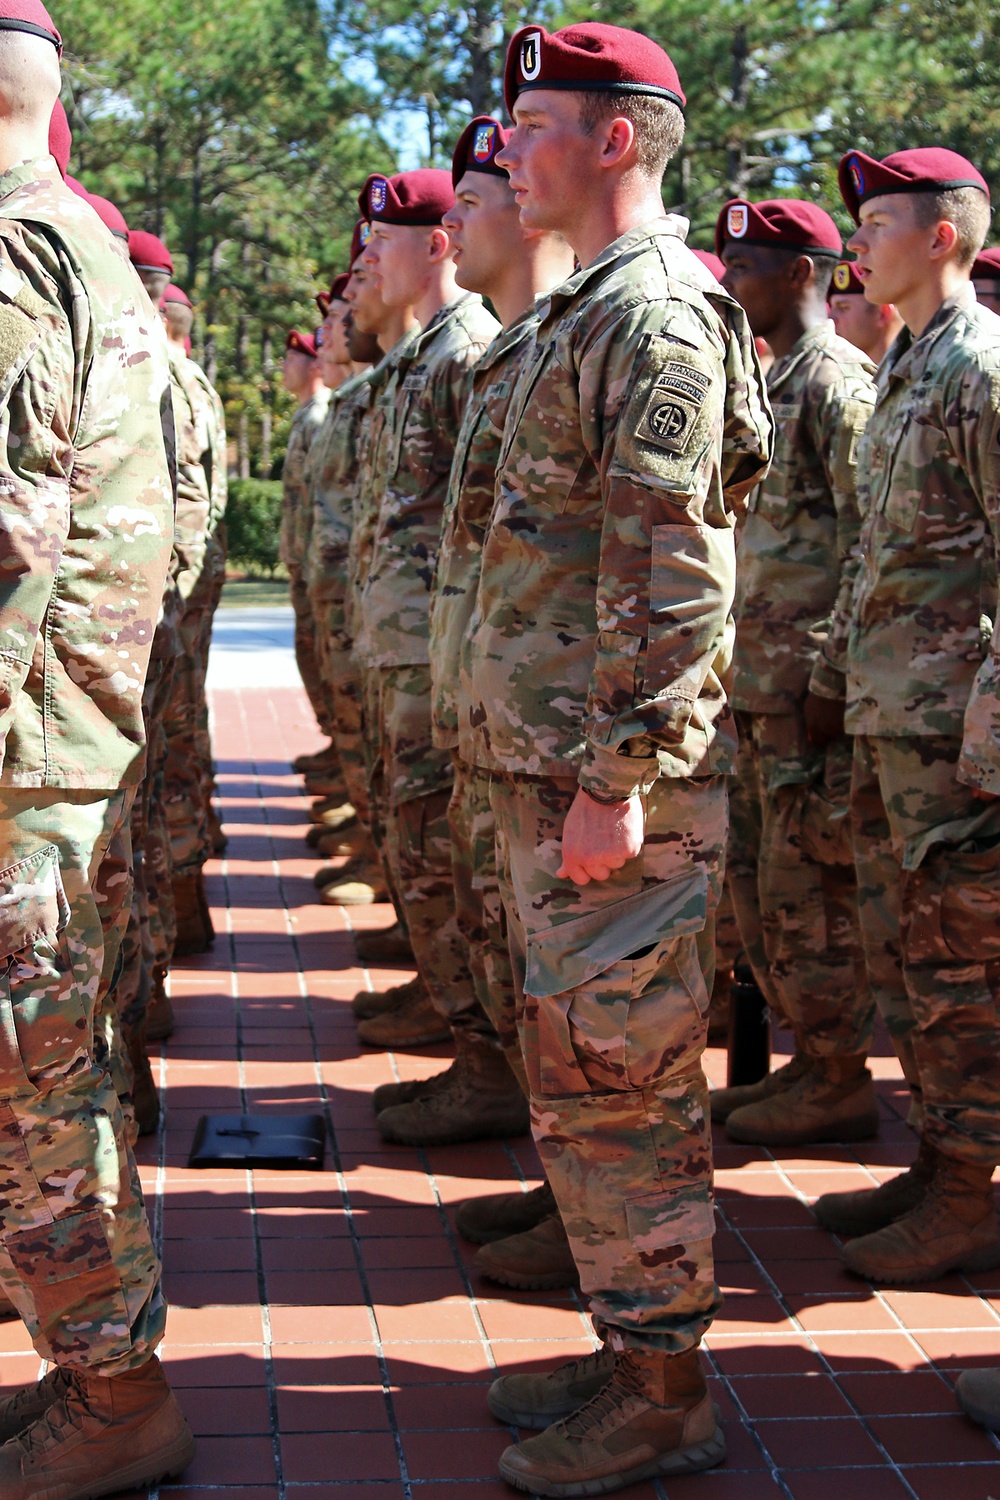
674, 404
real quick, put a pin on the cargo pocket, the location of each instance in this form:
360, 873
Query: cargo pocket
589, 1041
69, 1270
34, 912
672, 1228
951, 906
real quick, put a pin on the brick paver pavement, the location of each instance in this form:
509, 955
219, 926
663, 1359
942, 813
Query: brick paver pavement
327, 1335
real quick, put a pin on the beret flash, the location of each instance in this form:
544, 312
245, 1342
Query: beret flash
304, 343
926, 169
148, 252
710, 262
60, 137
778, 222
31, 17
420, 198
591, 56
359, 239
846, 281
986, 266
477, 147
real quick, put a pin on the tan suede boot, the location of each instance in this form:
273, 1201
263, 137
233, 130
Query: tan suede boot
539, 1400
867, 1209
22, 1407
834, 1101
368, 1003
653, 1417
386, 945
536, 1261
323, 760
954, 1227
481, 1101
194, 927
362, 885
159, 1012
978, 1394
333, 874
415, 1025
724, 1101
99, 1437
351, 842
217, 838
481, 1221
333, 814
388, 1095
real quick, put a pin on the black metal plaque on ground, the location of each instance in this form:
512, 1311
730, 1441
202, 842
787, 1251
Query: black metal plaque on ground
282, 1142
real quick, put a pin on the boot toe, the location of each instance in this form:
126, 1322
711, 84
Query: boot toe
978, 1394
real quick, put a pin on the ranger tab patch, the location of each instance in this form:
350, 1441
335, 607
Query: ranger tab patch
672, 407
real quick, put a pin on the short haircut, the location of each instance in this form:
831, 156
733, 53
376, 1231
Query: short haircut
179, 319
659, 123
968, 208
824, 265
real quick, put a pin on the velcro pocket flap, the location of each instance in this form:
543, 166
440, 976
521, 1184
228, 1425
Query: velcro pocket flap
33, 904
564, 956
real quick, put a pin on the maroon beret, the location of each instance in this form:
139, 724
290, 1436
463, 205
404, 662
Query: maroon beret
846, 281
477, 147
710, 262
590, 56
105, 210
148, 253
29, 16
778, 222
421, 197
305, 343
986, 266
322, 300
60, 137
175, 294
337, 285
927, 169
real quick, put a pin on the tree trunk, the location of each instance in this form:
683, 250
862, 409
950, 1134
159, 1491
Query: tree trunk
267, 409
736, 153
481, 40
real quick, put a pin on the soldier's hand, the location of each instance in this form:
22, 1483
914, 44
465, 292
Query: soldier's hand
824, 720
597, 839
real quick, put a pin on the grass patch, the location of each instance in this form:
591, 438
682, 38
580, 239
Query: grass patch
252, 593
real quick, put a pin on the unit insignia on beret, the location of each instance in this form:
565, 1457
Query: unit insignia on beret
737, 221
364, 233
531, 56
842, 278
377, 194
857, 176
482, 146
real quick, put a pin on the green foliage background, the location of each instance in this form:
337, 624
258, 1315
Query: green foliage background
242, 130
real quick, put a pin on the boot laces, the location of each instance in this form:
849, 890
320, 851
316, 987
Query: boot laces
609, 1402
66, 1415
56, 1382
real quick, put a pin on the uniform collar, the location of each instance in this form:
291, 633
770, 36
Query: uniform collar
40, 170
819, 336
444, 315
908, 357
667, 226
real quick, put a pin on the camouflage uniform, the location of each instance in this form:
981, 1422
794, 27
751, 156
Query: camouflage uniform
922, 675
601, 628
332, 471
419, 412
792, 866
296, 532
466, 516
209, 591
88, 518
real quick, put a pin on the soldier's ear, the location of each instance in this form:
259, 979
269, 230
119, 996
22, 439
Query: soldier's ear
438, 245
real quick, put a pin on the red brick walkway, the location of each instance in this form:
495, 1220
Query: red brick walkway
327, 1335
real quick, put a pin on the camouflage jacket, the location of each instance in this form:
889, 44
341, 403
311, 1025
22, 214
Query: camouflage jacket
216, 467
296, 511
87, 500
194, 494
471, 489
798, 550
364, 515
421, 406
332, 471
923, 653
603, 620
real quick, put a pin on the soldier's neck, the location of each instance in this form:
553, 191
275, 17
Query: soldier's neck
400, 321
616, 209
547, 261
919, 306
21, 142
798, 319
439, 291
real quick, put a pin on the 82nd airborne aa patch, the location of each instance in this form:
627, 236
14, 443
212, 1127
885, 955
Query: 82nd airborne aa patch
672, 407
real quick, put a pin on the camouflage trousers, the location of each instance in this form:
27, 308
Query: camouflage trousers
613, 982
479, 912
409, 790
188, 773
928, 856
342, 688
791, 874
79, 1265
306, 657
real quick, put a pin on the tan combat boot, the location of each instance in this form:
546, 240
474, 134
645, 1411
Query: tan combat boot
653, 1417
536, 1261
159, 1012
954, 1227
418, 1024
24, 1406
99, 1437
978, 1394
351, 842
387, 1095
368, 1003
359, 884
834, 1101
333, 874
539, 1400
333, 814
323, 760
500, 1215
724, 1101
868, 1209
217, 838
385, 945
480, 1101
194, 925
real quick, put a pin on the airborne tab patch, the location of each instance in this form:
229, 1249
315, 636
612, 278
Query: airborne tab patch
672, 407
